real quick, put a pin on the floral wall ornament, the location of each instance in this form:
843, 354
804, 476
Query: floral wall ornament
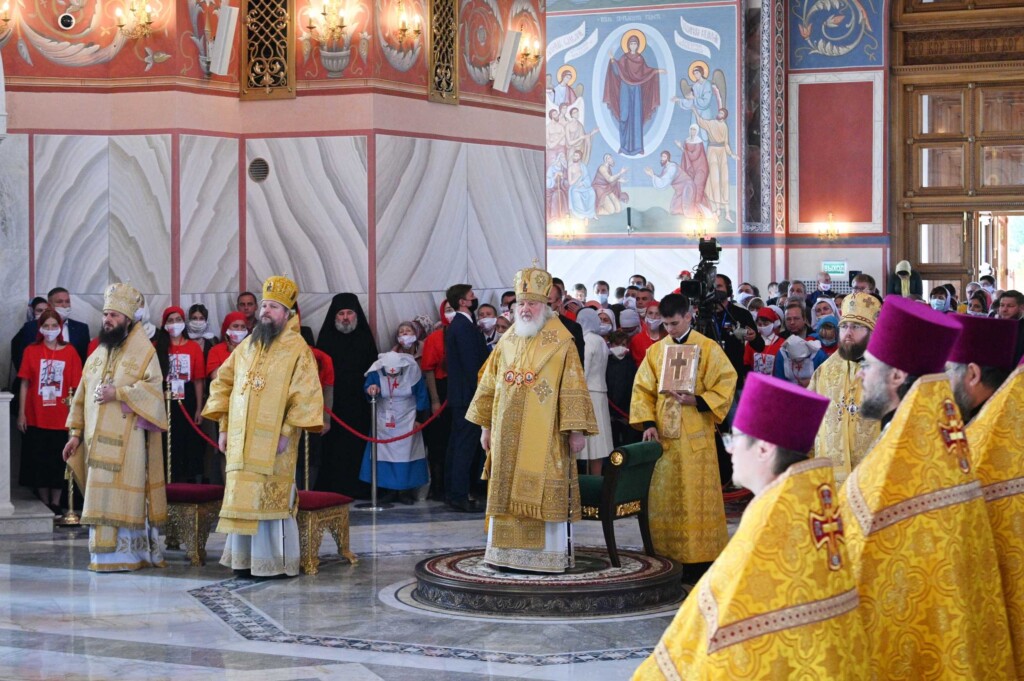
835, 28
482, 33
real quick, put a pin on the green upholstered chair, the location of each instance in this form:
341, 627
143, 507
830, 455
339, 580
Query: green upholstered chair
621, 492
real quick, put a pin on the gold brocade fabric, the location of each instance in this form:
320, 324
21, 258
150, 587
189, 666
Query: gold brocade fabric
779, 602
996, 436
687, 513
259, 397
124, 463
919, 539
531, 394
844, 437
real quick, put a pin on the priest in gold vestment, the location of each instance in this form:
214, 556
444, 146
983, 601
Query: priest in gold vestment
264, 396
917, 529
114, 446
687, 513
845, 437
535, 411
780, 601
987, 386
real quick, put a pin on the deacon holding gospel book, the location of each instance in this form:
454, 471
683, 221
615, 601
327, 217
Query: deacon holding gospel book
687, 514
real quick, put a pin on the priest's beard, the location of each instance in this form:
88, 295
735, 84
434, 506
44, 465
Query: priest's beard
115, 335
853, 352
875, 404
346, 328
960, 396
528, 328
264, 333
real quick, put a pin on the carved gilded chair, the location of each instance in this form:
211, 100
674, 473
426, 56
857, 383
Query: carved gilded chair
621, 492
192, 512
321, 512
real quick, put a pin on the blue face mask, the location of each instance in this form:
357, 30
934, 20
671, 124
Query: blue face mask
939, 304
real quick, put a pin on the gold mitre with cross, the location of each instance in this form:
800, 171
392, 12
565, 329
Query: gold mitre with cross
861, 308
123, 298
532, 283
281, 290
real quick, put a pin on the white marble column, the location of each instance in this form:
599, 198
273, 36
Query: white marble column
20, 514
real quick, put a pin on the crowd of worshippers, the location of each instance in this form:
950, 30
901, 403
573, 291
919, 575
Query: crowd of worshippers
787, 333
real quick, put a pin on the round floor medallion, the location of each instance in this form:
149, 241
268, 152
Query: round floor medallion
463, 582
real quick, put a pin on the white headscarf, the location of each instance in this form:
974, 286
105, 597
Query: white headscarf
588, 319
814, 315
397, 360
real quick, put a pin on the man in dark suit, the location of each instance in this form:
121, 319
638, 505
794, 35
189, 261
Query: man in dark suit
465, 352
74, 333
555, 299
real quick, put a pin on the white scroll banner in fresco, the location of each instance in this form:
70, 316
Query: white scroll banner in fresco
708, 35
581, 49
691, 46
564, 42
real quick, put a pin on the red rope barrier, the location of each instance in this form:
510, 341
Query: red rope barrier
617, 410
388, 440
195, 427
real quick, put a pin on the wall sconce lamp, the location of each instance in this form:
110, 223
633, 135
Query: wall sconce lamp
403, 29
829, 231
5, 13
526, 56
697, 229
139, 25
567, 229
331, 27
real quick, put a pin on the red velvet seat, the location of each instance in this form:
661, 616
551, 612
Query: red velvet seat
191, 493
315, 501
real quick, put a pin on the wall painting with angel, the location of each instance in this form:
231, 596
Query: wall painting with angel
642, 111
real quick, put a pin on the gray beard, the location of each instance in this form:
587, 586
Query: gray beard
529, 329
263, 334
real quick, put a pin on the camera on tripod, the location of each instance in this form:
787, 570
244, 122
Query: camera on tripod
701, 289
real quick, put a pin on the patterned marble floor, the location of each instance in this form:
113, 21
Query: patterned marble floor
59, 621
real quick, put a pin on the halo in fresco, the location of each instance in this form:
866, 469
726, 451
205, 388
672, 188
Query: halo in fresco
634, 33
570, 70
658, 55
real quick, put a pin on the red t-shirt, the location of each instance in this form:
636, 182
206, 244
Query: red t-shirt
325, 367
93, 344
218, 355
52, 372
639, 344
762, 362
433, 354
185, 362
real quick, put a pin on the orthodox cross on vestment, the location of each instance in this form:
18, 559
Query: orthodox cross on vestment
827, 526
953, 435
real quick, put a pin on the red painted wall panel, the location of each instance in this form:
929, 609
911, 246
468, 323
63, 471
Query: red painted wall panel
835, 151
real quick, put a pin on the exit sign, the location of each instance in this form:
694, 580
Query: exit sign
835, 268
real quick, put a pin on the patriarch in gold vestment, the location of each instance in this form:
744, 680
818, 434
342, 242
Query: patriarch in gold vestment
917, 529
988, 387
687, 513
114, 446
780, 601
535, 410
264, 396
846, 437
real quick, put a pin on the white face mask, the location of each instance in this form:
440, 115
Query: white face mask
50, 334
619, 351
64, 312
604, 329
407, 340
766, 331
988, 288
629, 303
498, 335
197, 327
653, 324
449, 315
824, 286
602, 298
487, 323
237, 336
175, 329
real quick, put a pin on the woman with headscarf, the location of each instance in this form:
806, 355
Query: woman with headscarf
824, 307
396, 381
606, 323
346, 337
595, 366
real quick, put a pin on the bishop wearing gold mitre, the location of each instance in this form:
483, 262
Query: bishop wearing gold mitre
264, 396
534, 409
989, 387
917, 528
114, 446
780, 602
687, 513
846, 437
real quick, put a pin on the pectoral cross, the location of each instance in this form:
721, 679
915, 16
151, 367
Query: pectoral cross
953, 435
827, 527
678, 366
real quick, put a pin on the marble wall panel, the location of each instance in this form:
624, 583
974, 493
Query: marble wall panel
14, 193
88, 308
140, 211
308, 219
71, 212
422, 211
208, 202
506, 212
